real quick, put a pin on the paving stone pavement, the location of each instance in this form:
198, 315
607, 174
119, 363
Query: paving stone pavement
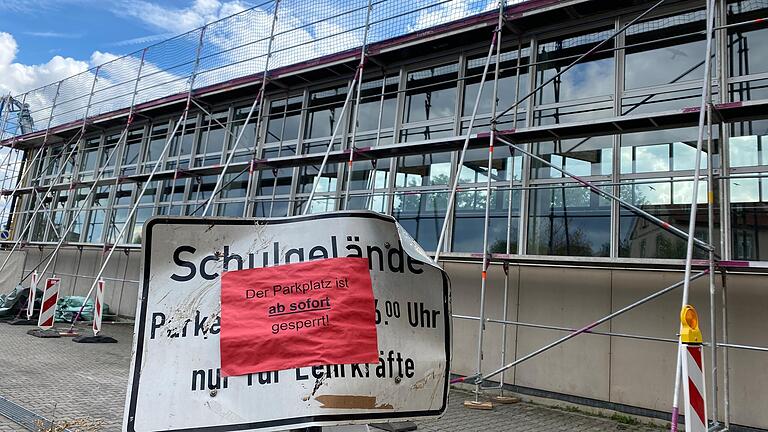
62, 380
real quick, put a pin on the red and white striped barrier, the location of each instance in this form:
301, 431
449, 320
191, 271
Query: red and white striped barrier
48, 306
694, 390
98, 306
31, 296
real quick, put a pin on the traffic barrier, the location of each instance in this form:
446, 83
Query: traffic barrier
31, 296
98, 313
48, 305
693, 372
97, 307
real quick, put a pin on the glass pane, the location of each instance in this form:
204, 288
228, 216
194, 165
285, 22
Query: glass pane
569, 221
591, 156
369, 174
658, 42
324, 112
431, 93
470, 219
508, 86
593, 77
662, 150
423, 170
670, 202
422, 215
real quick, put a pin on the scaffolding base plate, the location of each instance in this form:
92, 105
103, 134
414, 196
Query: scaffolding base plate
478, 405
50, 333
22, 321
94, 339
506, 399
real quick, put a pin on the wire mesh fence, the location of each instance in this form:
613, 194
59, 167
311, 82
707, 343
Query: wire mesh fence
236, 47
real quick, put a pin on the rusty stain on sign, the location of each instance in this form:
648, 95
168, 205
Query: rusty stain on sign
351, 402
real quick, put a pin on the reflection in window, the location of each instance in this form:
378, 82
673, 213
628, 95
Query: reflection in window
271, 208
508, 87
274, 182
470, 219
662, 150
245, 148
431, 93
568, 221
749, 217
503, 166
677, 42
421, 214
324, 112
746, 42
423, 170
593, 77
131, 152
748, 142
378, 101
669, 201
327, 182
591, 156
283, 124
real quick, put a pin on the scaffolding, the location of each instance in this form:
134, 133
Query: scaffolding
166, 72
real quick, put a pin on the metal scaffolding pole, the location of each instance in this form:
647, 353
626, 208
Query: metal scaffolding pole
495, 44
171, 136
705, 91
363, 54
726, 370
355, 81
710, 238
582, 330
258, 101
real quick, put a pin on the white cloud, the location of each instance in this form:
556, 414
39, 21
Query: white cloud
180, 20
16, 78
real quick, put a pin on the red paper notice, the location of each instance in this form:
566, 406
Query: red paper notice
295, 315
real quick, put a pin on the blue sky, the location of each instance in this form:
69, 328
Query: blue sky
76, 28
42, 41
45, 41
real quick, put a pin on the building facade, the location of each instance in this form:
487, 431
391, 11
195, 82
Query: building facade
625, 118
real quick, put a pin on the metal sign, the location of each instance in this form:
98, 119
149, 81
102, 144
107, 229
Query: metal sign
176, 382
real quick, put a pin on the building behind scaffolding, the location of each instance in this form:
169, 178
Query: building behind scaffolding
194, 121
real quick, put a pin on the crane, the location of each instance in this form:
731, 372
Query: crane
24, 122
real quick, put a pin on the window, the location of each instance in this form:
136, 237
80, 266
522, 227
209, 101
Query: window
662, 151
669, 201
590, 78
590, 156
568, 220
510, 89
283, 125
677, 42
431, 93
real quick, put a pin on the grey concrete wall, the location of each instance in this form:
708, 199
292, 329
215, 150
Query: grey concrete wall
627, 371
78, 267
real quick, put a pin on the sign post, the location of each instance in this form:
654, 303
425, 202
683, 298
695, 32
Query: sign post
179, 380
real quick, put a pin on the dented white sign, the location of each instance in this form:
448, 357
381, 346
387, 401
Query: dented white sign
175, 381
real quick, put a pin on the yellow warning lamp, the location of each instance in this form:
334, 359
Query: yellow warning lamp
690, 332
